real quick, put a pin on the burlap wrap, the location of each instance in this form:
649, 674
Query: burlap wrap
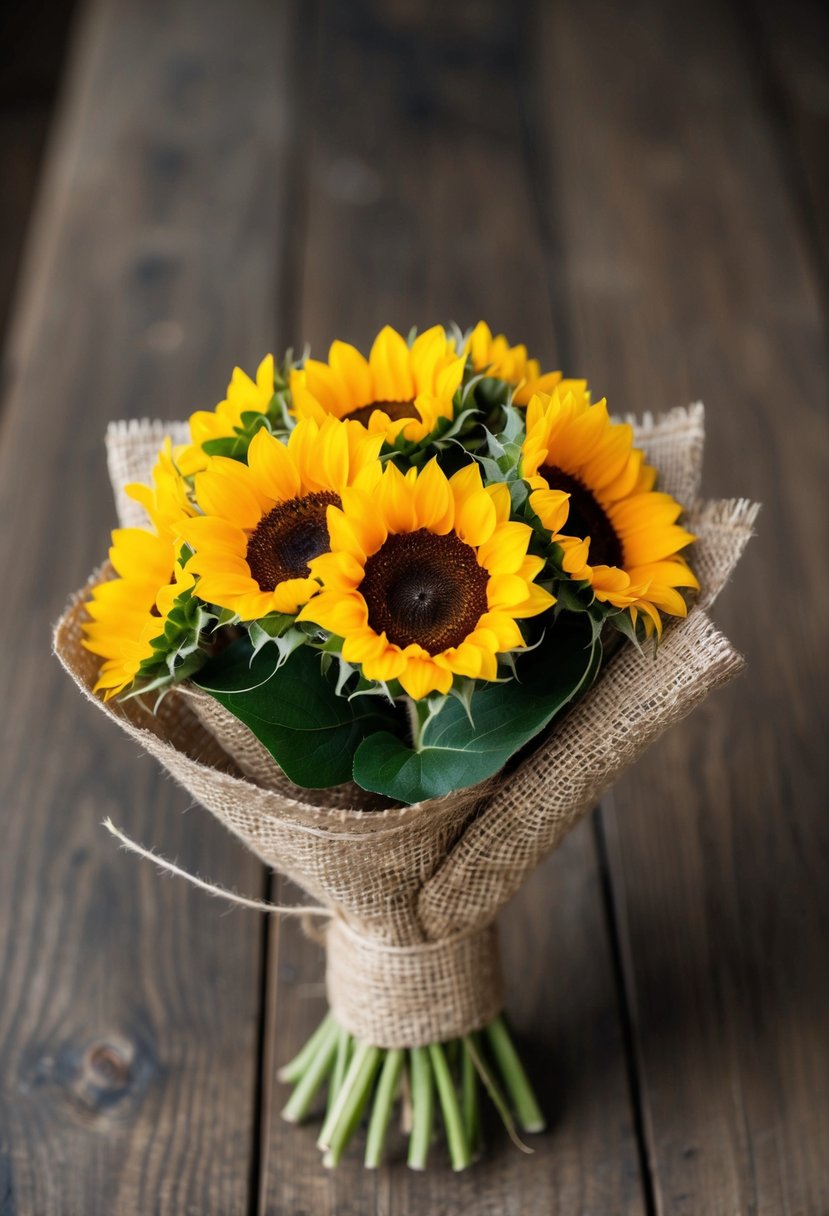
412, 995
415, 891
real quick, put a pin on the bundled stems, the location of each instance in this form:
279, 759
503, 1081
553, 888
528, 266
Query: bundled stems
358, 1074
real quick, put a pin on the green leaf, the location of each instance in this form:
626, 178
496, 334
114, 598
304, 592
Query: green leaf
491, 469
513, 425
233, 446
570, 596
293, 709
275, 628
454, 752
519, 492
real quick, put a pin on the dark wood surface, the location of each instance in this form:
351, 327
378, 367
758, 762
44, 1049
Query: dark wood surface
639, 192
707, 286
33, 45
130, 1012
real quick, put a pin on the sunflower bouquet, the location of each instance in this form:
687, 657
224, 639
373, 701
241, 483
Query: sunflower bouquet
398, 621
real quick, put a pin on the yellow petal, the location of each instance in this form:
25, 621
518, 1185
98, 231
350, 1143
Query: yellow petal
503, 626
290, 594
475, 520
646, 546
210, 532
396, 497
433, 502
506, 549
340, 614
552, 508
422, 676
337, 571
364, 645
272, 468
347, 362
538, 600
505, 591
265, 379
501, 501
390, 371
231, 497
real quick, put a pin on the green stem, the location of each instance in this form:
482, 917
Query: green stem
469, 1101
453, 1050
299, 1103
353, 1080
422, 1107
418, 712
515, 1078
455, 1136
406, 1103
383, 1103
294, 1069
340, 1065
491, 1087
357, 1096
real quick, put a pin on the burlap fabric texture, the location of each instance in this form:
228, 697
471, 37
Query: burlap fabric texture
415, 891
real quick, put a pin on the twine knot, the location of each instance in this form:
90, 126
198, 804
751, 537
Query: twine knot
408, 996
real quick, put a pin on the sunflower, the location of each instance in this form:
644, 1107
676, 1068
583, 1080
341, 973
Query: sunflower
263, 522
495, 357
398, 390
618, 534
426, 578
243, 395
129, 611
167, 501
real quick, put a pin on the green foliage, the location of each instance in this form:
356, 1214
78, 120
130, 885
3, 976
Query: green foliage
293, 708
454, 751
235, 446
178, 651
308, 713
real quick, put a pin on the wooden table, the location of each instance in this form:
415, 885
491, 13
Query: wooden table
634, 190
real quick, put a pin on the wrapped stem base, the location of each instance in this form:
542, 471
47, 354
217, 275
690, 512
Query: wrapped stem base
417, 1025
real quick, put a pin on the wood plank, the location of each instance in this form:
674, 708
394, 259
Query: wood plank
792, 53
688, 277
131, 1005
22, 136
32, 49
419, 209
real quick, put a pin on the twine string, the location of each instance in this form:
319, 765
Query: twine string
241, 901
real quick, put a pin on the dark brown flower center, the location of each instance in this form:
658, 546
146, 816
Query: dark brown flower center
424, 588
288, 537
586, 518
395, 410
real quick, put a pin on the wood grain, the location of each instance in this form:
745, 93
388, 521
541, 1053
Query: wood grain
32, 50
790, 45
688, 276
420, 209
609, 184
130, 1004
